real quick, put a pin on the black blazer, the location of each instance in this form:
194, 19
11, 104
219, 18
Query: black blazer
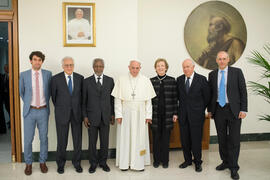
63, 101
192, 105
170, 92
97, 104
236, 91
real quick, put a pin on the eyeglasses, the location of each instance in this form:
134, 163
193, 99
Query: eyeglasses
68, 65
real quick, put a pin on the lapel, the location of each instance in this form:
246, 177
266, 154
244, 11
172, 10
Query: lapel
64, 82
75, 83
229, 78
44, 78
93, 82
29, 79
215, 80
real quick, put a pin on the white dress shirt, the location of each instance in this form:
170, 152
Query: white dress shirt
190, 79
225, 78
67, 79
101, 78
41, 92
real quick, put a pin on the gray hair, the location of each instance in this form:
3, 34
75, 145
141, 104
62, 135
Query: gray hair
98, 60
131, 61
192, 62
224, 53
67, 57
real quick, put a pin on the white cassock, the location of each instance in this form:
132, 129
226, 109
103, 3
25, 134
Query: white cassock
79, 25
133, 104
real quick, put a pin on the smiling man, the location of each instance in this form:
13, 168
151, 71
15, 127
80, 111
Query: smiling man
35, 93
133, 112
67, 99
98, 113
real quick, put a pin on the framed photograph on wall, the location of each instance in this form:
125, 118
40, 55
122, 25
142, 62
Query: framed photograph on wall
79, 24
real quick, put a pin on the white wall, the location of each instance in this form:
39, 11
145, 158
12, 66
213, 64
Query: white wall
125, 29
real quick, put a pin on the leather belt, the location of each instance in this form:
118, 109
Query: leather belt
40, 107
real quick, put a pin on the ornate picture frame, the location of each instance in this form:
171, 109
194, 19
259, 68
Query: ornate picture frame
79, 26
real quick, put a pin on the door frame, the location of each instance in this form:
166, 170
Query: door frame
11, 16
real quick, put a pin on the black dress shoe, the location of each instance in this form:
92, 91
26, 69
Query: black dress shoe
234, 174
198, 167
105, 168
60, 170
155, 164
165, 165
124, 169
79, 169
184, 165
92, 169
141, 170
221, 167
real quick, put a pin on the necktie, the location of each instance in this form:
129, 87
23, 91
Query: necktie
70, 85
187, 84
221, 93
98, 82
37, 90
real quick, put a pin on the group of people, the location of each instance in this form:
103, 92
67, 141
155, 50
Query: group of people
4, 100
133, 102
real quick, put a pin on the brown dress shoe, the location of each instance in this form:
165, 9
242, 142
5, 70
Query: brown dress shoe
28, 169
43, 167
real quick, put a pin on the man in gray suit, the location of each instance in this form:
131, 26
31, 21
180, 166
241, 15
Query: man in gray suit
66, 93
35, 93
98, 112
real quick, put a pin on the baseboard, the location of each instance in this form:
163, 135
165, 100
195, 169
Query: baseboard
112, 152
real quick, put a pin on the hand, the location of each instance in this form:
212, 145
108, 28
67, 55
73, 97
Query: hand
209, 115
242, 115
175, 117
112, 120
149, 121
81, 34
119, 120
86, 122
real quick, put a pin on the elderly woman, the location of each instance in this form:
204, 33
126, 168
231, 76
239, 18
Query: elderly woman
164, 112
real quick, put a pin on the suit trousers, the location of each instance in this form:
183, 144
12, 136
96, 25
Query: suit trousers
39, 118
103, 131
161, 143
191, 139
228, 132
62, 140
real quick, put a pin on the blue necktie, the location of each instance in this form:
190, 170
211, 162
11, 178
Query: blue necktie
221, 93
70, 85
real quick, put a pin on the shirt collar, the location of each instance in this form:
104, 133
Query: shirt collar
225, 70
34, 72
96, 76
191, 77
68, 75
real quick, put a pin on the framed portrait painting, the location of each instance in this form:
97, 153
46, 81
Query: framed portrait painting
211, 27
79, 24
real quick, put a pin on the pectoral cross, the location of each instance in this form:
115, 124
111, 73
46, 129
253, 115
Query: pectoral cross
133, 95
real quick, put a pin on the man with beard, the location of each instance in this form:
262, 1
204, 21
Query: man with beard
219, 39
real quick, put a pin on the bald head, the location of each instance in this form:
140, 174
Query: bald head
188, 67
134, 67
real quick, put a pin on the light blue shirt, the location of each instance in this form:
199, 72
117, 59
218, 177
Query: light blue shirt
219, 79
101, 78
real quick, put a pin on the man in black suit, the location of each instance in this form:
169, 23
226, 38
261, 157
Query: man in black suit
228, 106
66, 90
98, 112
193, 97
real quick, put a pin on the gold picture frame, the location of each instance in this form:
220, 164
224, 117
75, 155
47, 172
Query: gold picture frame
79, 25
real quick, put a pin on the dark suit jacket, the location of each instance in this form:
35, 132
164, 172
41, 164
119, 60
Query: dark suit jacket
192, 105
97, 104
236, 91
63, 101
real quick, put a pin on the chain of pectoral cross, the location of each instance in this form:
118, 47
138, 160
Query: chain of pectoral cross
133, 88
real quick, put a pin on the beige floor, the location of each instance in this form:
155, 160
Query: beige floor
254, 162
